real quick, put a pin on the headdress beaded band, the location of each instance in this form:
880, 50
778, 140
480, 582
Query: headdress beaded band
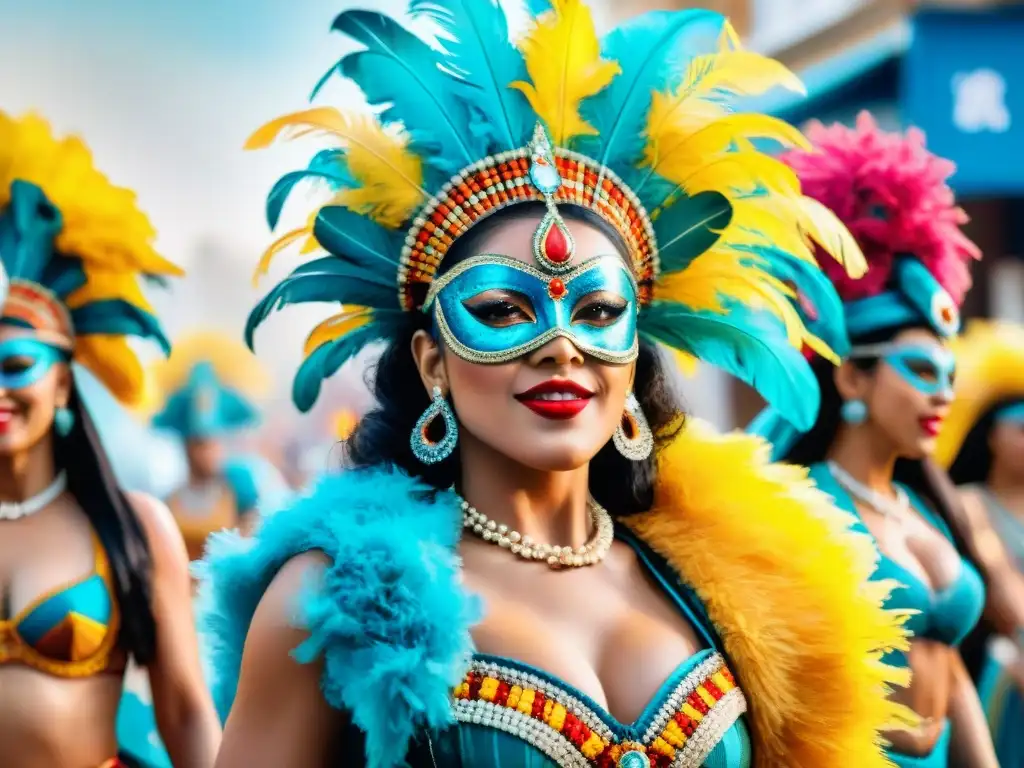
635, 127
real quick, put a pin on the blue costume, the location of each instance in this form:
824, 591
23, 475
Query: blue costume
635, 130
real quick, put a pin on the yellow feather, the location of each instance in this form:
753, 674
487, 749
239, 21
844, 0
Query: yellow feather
675, 152
729, 40
990, 369
742, 73
390, 176
102, 224
336, 326
345, 423
825, 228
103, 284
741, 171
285, 240
806, 642
563, 59
112, 360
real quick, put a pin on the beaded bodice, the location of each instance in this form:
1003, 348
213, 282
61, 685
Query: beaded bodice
695, 714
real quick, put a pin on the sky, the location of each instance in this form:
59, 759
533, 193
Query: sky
166, 92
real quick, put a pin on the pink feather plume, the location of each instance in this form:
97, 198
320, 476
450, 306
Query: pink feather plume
891, 193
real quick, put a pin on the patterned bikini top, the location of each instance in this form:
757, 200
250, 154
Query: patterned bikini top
70, 631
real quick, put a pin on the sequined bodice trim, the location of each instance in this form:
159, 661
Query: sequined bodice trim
697, 713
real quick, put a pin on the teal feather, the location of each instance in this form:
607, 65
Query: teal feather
327, 166
650, 49
358, 240
537, 7
324, 361
28, 227
118, 317
689, 227
480, 52
818, 305
748, 344
327, 280
63, 275
403, 74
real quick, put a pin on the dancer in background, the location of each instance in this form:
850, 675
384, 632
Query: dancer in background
210, 382
882, 409
982, 443
90, 574
631, 589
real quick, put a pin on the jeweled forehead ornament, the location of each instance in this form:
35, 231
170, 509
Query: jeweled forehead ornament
553, 245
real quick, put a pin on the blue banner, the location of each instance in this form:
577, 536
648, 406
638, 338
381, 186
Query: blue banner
963, 84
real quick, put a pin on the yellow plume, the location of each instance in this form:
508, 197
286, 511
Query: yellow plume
825, 229
389, 175
337, 326
990, 369
563, 59
740, 171
112, 360
102, 224
289, 238
234, 364
102, 285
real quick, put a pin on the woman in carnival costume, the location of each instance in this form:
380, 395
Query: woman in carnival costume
90, 574
882, 408
531, 558
209, 381
982, 444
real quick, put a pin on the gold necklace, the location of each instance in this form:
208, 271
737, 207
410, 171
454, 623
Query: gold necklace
555, 556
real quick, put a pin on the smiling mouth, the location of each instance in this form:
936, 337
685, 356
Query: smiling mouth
932, 425
556, 399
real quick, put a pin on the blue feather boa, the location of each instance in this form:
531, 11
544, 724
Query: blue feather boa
389, 619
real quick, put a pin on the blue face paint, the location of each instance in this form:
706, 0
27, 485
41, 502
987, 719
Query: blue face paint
493, 309
929, 368
25, 360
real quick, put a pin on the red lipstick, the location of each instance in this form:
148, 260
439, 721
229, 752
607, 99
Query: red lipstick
6, 417
931, 425
557, 399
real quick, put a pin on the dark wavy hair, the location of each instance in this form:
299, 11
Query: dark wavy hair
924, 476
382, 435
91, 481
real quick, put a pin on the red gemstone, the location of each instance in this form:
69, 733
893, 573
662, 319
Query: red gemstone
556, 245
556, 288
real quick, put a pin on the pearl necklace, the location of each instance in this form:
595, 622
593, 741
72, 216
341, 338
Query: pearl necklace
13, 510
893, 509
556, 557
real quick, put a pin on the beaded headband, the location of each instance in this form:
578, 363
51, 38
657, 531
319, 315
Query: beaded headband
35, 306
534, 173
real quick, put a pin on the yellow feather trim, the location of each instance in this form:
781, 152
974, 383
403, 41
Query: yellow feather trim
103, 225
990, 368
102, 284
563, 59
336, 326
389, 175
234, 364
786, 584
345, 423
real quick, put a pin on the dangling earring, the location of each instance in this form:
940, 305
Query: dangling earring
63, 421
426, 450
854, 412
633, 437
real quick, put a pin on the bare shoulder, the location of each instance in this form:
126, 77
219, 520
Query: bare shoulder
973, 503
277, 606
165, 541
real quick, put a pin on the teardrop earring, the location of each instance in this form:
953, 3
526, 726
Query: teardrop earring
425, 449
63, 421
633, 437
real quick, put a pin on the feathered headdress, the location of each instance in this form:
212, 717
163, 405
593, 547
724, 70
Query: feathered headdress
75, 248
640, 132
990, 370
209, 382
891, 193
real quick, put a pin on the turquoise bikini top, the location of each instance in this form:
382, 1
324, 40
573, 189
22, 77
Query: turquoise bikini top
946, 616
513, 715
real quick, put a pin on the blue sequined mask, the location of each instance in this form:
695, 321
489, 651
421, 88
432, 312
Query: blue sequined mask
929, 368
25, 360
493, 309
